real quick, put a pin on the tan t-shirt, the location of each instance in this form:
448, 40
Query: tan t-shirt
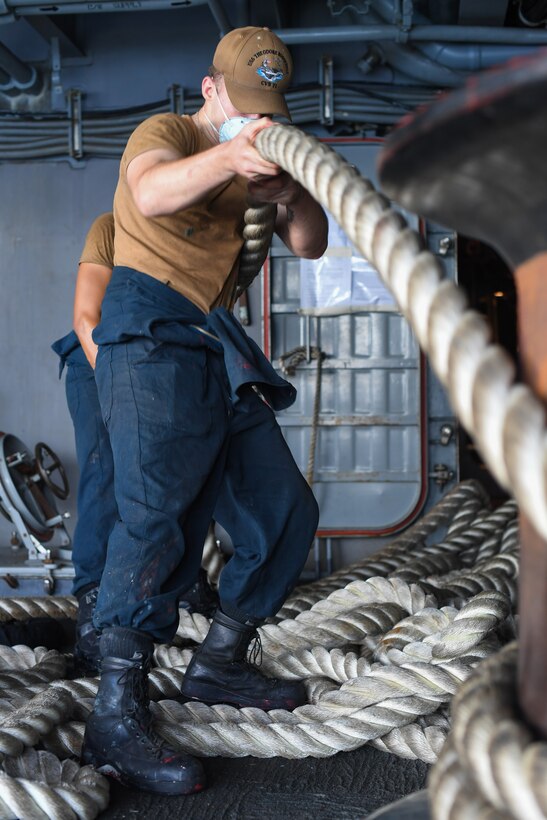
195, 250
99, 242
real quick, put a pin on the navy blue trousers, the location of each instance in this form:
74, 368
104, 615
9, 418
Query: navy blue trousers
97, 509
183, 454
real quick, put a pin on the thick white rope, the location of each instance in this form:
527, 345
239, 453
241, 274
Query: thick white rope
257, 237
492, 765
381, 662
37, 785
506, 421
403, 551
20, 609
212, 559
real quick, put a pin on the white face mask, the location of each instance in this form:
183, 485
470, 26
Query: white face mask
231, 126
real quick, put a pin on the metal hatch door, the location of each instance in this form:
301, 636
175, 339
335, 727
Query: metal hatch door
370, 452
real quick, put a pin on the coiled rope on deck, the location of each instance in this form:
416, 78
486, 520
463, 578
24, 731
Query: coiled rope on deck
491, 765
382, 656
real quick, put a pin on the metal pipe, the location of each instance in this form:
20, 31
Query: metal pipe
18, 71
460, 57
17, 77
24, 8
473, 57
426, 33
418, 66
327, 34
221, 18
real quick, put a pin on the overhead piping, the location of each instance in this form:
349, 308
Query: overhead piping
43, 136
220, 17
473, 57
418, 34
410, 61
467, 56
17, 77
326, 34
22, 8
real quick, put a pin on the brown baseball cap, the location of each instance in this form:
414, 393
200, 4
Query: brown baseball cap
257, 68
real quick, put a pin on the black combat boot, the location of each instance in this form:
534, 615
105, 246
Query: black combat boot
119, 739
220, 673
87, 655
201, 597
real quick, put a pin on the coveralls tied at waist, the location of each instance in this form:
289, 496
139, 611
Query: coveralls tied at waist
69, 349
137, 305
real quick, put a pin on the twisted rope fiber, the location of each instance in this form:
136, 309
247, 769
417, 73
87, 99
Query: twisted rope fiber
288, 363
363, 713
377, 665
37, 785
364, 607
441, 634
400, 552
408, 739
383, 681
482, 537
212, 559
21, 608
259, 221
491, 762
33, 784
505, 419
362, 709
50, 666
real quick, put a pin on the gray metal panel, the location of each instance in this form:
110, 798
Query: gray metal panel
368, 464
44, 218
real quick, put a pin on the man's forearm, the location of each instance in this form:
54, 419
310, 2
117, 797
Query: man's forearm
163, 183
83, 328
304, 226
172, 185
91, 284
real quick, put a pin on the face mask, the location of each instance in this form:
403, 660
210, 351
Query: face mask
231, 127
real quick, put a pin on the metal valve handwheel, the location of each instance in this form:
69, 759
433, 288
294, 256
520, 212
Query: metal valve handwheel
41, 453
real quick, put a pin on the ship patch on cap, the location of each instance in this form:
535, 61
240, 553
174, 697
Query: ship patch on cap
273, 67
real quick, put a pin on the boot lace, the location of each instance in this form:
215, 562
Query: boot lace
138, 709
254, 652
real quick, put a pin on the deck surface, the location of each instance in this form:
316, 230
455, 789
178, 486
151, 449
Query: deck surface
348, 786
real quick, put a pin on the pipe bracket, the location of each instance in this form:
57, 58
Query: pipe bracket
326, 82
6, 16
75, 142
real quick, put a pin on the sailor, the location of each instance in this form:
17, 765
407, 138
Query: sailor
188, 402
97, 509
